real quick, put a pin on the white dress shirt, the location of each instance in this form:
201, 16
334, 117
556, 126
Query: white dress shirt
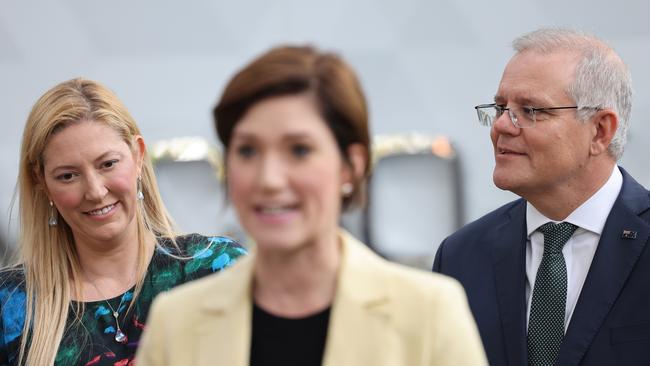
579, 251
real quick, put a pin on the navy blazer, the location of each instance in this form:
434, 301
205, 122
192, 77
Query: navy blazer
611, 321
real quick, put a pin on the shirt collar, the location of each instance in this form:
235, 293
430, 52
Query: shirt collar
591, 215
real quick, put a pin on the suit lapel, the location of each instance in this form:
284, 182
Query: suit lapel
360, 318
509, 260
224, 337
613, 262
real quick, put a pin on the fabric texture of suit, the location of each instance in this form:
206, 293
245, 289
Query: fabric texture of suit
611, 321
383, 314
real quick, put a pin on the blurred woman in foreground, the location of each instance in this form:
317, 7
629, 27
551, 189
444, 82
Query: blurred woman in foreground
294, 124
96, 244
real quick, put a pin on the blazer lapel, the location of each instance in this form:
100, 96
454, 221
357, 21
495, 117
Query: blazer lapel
613, 262
360, 318
224, 337
509, 260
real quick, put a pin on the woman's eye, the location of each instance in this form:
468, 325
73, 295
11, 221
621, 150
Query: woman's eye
65, 177
245, 151
109, 164
300, 150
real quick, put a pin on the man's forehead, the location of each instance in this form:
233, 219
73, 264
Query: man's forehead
532, 77
524, 97
559, 60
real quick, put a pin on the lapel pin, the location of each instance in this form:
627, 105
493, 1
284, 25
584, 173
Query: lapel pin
628, 234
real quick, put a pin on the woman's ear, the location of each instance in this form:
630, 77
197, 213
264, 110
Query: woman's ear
39, 181
138, 153
358, 158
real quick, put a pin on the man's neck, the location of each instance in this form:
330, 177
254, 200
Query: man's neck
560, 201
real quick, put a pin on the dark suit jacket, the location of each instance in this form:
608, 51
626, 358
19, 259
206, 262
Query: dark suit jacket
611, 321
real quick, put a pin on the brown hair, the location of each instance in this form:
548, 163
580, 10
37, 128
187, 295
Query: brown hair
294, 70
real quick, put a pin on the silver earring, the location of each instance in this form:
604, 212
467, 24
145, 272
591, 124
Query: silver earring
52, 221
346, 189
140, 194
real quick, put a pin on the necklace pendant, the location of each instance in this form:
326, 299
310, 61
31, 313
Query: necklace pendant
120, 337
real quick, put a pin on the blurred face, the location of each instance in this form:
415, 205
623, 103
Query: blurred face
90, 175
285, 173
555, 151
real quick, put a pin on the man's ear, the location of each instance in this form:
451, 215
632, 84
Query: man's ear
605, 124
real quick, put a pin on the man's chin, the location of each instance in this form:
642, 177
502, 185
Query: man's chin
503, 181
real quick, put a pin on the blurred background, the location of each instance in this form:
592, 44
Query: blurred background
424, 65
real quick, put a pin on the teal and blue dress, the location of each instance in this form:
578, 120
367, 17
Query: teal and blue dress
92, 341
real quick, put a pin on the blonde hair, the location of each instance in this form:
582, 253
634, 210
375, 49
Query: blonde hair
47, 253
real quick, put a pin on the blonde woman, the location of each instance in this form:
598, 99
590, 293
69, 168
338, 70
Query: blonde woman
96, 244
294, 125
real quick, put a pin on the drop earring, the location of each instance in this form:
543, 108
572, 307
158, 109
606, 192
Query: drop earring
346, 189
139, 185
52, 220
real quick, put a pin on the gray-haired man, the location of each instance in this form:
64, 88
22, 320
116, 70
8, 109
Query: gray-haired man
562, 275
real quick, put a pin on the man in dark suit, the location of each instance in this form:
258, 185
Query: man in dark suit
560, 276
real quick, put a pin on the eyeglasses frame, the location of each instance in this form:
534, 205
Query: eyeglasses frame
512, 115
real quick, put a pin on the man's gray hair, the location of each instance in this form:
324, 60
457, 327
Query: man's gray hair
602, 80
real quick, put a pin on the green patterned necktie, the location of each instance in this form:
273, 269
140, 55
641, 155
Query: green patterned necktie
548, 305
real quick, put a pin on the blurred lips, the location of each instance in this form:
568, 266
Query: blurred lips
276, 213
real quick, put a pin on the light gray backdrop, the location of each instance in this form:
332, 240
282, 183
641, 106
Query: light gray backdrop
424, 64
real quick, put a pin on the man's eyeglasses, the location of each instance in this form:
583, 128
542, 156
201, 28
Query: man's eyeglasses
522, 117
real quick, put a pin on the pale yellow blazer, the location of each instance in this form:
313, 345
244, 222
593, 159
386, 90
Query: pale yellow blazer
383, 314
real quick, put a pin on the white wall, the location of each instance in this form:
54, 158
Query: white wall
424, 64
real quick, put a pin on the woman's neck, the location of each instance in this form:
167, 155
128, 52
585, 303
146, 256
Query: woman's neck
108, 269
298, 283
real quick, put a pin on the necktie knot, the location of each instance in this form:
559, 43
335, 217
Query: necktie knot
556, 235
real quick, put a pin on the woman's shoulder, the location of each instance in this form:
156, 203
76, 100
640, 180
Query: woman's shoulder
420, 281
233, 282
198, 255
434, 307
11, 279
194, 243
408, 281
197, 246
12, 305
405, 282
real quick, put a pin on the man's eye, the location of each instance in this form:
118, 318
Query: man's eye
529, 112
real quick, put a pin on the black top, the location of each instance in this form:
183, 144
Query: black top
286, 341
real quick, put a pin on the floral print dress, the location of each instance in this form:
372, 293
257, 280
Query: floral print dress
92, 341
